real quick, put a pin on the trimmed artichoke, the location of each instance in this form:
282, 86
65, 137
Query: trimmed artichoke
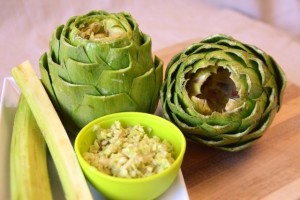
222, 93
100, 63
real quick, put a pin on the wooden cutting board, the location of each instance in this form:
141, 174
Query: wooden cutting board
269, 169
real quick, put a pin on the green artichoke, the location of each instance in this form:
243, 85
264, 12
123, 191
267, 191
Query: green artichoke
222, 93
100, 63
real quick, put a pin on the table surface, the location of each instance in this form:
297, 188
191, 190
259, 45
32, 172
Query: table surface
269, 169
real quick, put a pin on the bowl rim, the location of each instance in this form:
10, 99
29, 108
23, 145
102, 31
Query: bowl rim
178, 159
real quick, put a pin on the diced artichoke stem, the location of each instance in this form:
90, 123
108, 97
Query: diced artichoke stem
216, 91
132, 155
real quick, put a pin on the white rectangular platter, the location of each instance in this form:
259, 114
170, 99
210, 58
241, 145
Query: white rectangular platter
8, 103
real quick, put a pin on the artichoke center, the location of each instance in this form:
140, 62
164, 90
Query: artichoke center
97, 30
214, 93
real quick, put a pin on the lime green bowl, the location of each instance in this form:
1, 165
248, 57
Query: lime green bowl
136, 188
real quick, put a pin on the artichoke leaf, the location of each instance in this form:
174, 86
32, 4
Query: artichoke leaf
239, 57
195, 130
238, 146
120, 79
55, 43
55, 69
142, 83
158, 63
216, 129
119, 58
272, 101
45, 78
213, 141
71, 95
280, 80
144, 56
97, 53
92, 107
68, 51
112, 82
261, 70
186, 118
84, 73
260, 128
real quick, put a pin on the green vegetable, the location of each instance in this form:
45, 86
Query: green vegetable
59, 145
222, 92
100, 63
28, 158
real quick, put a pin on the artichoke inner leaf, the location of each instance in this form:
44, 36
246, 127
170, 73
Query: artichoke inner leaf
202, 49
239, 56
231, 44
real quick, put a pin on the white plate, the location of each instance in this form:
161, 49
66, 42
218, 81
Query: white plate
8, 103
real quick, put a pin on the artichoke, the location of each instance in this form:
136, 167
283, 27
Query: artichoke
100, 63
222, 93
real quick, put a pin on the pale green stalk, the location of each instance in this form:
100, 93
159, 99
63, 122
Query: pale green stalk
60, 147
29, 178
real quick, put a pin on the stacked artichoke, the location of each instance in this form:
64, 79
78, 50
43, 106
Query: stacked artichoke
222, 93
100, 63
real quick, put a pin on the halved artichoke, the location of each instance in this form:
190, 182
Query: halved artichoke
100, 63
222, 93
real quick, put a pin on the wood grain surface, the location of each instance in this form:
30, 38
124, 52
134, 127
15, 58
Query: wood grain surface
269, 169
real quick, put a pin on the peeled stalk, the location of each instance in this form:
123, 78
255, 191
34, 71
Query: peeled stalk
60, 147
29, 178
